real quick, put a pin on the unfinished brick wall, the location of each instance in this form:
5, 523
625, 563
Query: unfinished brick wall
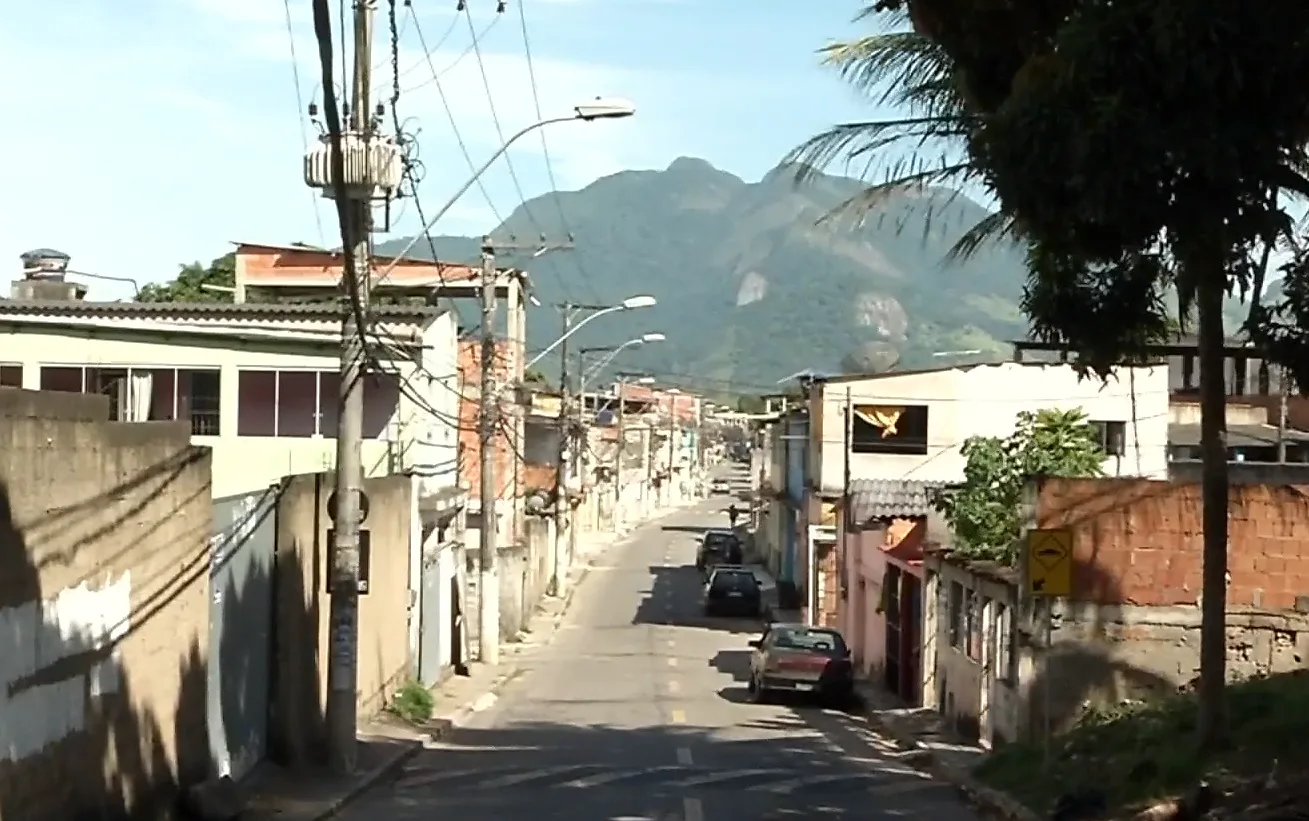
470, 462
1140, 542
1133, 623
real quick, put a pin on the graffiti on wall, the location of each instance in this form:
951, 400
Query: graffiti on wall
39, 704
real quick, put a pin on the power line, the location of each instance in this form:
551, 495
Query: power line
468, 49
300, 113
449, 113
545, 150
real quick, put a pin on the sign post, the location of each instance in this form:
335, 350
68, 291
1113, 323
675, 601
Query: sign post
1049, 575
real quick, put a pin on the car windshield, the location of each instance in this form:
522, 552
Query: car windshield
811, 640
718, 541
735, 581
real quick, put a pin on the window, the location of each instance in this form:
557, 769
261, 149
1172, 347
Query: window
1111, 436
145, 394
889, 429
955, 613
972, 626
305, 403
11, 376
1006, 661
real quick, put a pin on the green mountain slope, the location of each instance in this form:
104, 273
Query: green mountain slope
751, 286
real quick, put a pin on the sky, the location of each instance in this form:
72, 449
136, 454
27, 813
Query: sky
156, 132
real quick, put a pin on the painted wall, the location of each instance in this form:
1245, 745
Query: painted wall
797, 446
405, 435
104, 531
985, 400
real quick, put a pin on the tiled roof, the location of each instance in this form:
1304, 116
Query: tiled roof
890, 498
203, 310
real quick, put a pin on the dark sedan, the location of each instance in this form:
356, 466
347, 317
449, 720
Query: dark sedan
798, 658
733, 591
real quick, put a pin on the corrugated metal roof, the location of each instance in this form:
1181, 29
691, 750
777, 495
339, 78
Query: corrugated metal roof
204, 310
890, 499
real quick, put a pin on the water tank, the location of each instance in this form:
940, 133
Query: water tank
44, 263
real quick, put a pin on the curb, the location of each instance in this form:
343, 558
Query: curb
389, 768
988, 798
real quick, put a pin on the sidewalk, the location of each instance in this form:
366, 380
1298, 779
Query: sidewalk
387, 742
924, 741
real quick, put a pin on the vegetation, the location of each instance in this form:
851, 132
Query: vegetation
190, 282
1135, 147
722, 256
414, 703
1137, 751
985, 513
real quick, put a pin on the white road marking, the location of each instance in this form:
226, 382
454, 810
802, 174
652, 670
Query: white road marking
601, 779
684, 756
533, 775
692, 809
672, 661
484, 702
673, 687
730, 775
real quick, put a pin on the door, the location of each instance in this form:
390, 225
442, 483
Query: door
241, 584
432, 629
912, 618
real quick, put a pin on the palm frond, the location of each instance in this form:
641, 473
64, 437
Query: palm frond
991, 228
859, 140
946, 175
900, 68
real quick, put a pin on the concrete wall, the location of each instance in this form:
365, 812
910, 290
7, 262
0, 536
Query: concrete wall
303, 550
985, 400
104, 561
1244, 473
972, 661
413, 437
525, 572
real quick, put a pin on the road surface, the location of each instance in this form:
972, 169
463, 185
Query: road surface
635, 710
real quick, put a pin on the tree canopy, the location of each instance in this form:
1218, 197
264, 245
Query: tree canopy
985, 512
190, 282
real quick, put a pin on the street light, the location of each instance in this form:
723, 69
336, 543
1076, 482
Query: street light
613, 351
601, 108
640, 301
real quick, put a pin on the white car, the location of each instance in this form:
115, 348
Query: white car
720, 486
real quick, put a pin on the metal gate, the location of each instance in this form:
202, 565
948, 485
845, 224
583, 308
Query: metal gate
434, 617
241, 629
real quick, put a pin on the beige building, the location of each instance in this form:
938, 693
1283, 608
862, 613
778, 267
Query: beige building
256, 383
912, 425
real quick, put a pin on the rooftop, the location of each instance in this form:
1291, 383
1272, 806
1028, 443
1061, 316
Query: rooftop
205, 310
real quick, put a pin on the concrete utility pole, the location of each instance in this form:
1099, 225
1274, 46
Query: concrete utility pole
1283, 387
672, 445
564, 462
356, 223
488, 582
622, 452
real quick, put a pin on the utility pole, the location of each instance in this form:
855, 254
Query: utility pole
488, 579
354, 206
622, 453
672, 446
1283, 387
560, 575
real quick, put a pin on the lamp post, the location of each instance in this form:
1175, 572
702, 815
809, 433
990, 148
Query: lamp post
612, 351
601, 108
631, 303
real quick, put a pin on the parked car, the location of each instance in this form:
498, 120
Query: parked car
720, 487
718, 546
801, 659
733, 590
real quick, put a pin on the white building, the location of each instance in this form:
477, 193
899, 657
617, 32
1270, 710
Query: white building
258, 383
931, 413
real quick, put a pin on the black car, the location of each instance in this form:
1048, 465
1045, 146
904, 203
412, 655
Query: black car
733, 591
718, 547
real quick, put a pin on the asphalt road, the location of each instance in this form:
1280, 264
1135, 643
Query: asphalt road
635, 710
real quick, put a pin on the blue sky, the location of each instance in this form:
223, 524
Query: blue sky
154, 132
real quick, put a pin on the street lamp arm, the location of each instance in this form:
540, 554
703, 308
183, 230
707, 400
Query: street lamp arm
611, 309
463, 189
600, 366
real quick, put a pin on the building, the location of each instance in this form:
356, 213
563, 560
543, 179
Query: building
257, 383
900, 435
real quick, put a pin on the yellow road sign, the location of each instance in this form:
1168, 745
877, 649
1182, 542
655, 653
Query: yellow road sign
1050, 562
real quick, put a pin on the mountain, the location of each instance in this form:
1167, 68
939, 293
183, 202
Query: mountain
751, 285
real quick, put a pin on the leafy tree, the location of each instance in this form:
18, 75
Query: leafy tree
985, 513
190, 282
535, 377
1137, 146
750, 404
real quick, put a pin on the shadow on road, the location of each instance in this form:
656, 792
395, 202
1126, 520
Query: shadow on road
676, 598
735, 663
694, 529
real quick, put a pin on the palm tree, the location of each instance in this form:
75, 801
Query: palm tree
905, 69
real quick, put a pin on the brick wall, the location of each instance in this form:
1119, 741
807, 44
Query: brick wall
470, 462
104, 609
1140, 542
